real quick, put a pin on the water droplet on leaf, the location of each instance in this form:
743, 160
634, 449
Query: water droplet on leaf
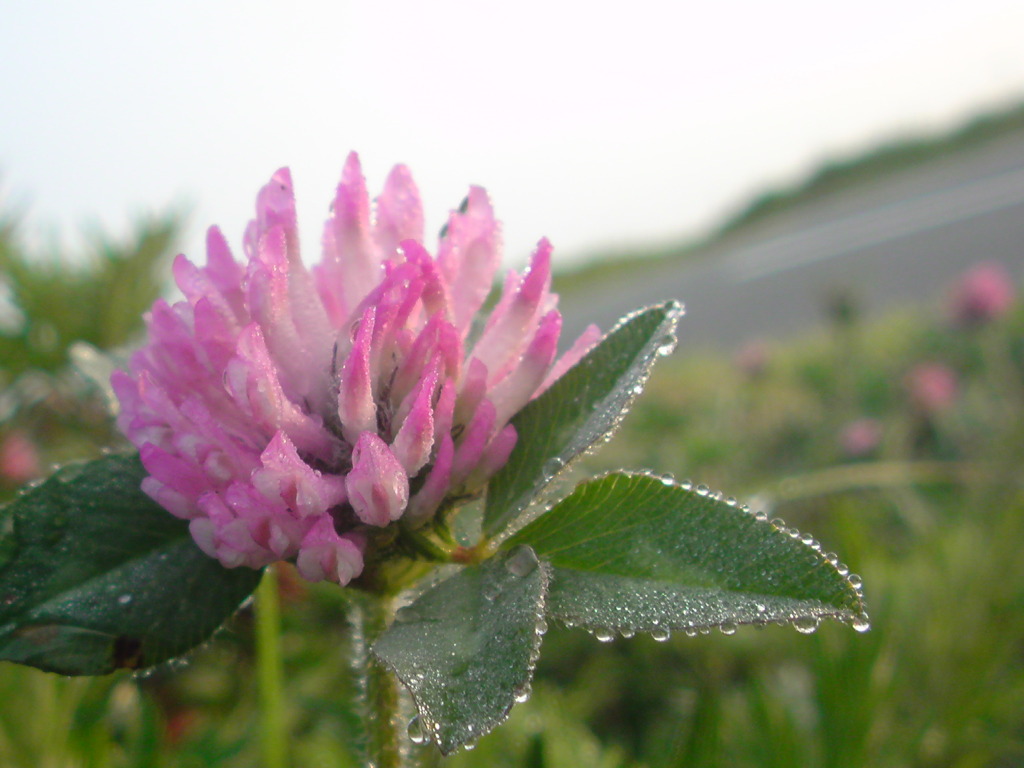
861, 624
492, 590
806, 624
417, 733
660, 634
604, 635
522, 562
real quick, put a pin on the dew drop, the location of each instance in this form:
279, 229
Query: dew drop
806, 624
407, 614
702, 490
604, 635
861, 624
667, 344
522, 695
691, 632
807, 539
552, 467
522, 562
686, 485
761, 517
727, 628
491, 591
761, 607
541, 627
124, 599
855, 581
660, 634
469, 746
417, 733
626, 633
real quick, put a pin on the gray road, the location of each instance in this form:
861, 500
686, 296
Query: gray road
894, 241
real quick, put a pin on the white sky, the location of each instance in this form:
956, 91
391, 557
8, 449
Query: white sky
595, 124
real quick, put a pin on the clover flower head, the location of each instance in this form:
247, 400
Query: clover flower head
288, 413
860, 437
984, 293
19, 458
933, 387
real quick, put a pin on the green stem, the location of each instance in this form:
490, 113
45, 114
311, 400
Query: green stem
387, 739
273, 734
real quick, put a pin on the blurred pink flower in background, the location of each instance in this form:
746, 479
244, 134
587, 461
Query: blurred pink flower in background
287, 412
752, 359
932, 386
984, 293
19, 459
860, 437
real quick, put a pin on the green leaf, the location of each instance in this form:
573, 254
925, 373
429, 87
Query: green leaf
635, 553
583, 406
95, 576
466, 648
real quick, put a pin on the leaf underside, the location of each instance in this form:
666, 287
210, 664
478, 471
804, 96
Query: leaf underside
466, 648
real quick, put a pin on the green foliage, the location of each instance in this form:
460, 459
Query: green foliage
95, 576
49, 302
637, 553
465, 649
583, 407
933, 516
98, 299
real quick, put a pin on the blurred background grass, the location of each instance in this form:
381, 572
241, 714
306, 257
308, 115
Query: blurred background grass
898, 443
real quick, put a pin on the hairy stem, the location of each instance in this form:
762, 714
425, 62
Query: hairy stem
377, 689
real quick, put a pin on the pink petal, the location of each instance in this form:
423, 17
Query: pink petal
292, 319
378, 487
286, 478
415, 437
579, 349
178, 504
351, 266
275, 209
432, 493
444, 411
251, 380
516, 389
324, 555
494, 457
356, 407
501, 342
469, 255
473, 389
478, 434
399, 212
